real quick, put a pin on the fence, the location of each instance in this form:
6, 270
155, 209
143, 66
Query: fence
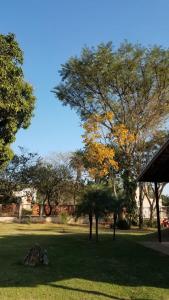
35, 210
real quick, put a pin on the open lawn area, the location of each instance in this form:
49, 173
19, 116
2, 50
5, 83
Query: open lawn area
79, 268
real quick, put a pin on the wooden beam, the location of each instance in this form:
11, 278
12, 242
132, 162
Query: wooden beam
158, 211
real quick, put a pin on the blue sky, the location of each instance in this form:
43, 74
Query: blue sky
50, 31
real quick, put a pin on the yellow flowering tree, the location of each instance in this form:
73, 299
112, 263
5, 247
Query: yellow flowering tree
101, 138
132, 82
100, 156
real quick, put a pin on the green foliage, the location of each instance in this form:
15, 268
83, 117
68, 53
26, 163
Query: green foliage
64, 217
15, 176
123, 224
26, 212
7, 199
150, 224
16, 95
131, 69
77, 163
96, 200
165, 200
132, 82
51, 182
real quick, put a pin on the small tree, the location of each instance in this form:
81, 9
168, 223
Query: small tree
96, 202
120, 205
85, 208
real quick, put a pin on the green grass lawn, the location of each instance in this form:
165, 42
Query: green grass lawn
80, 269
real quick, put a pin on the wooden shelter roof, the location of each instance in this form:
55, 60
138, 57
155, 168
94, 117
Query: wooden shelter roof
157, 169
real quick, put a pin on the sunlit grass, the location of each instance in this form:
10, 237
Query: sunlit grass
80, 269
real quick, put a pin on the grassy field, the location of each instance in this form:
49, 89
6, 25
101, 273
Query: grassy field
80, 269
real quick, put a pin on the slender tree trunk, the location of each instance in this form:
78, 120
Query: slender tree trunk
74, 197
41, 211
75, 192
113, 181
115, 191
20, 211
151, 218
151, 201
122, 214
140, 205
114, 226
158, 211
90, 226
97, 219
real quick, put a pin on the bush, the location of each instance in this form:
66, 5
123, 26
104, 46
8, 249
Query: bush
26, 212
64, 217
134, 222
123, 224
26, 220
149, 224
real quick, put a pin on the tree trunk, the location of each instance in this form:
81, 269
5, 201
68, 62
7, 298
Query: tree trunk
75, 192
158, 211
148, 189
140, 206
74, 197
41, 211
90, 226
113, 181
20, 211
49, 211
114, 226
151, 218
122, 214
97, 219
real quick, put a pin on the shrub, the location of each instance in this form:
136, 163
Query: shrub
26, 212
123, 224
64, 217
134, 222
149, 224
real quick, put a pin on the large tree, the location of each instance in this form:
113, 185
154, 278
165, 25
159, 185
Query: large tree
51, 182
132, 82
16, 95
15, 176
76, 163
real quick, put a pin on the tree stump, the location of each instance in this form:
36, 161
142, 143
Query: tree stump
36, 256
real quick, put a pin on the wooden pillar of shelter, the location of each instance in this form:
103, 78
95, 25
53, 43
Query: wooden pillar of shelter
158, 211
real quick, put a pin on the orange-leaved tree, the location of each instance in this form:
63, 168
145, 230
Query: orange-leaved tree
100, 155
102, 138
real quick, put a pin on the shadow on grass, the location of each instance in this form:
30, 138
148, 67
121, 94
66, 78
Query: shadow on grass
122, 262
89, 292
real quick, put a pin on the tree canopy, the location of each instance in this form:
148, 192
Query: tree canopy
132, 84
15, 176
16, 95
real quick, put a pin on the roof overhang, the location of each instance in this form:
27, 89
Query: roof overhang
157, 169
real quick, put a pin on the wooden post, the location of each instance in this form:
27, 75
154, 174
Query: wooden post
158, 211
